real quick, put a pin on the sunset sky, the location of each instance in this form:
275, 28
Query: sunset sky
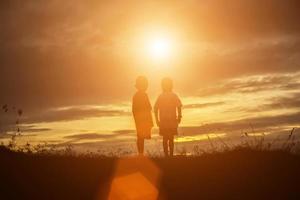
71, 67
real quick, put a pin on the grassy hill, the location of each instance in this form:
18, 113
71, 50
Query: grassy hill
235, 174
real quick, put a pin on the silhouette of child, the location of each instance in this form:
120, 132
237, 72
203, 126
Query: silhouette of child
141, 109
168, 115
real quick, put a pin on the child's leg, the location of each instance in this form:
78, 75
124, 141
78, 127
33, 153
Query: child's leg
140, 145
171, 145
165, 145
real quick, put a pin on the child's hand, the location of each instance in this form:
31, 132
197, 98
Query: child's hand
158, 123
178, 119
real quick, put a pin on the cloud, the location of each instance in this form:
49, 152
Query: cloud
258, 124
64, 53
90, 136
32, 130
202, 105
253, 84
247, 19
291, 101
222, 62
124, 132
114, 134
72, 139
73, 113
59, 54
8, 121
267, 123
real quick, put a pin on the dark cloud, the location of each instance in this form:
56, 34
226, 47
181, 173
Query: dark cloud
262, 57
33, 79
71, 139
124, 132
61, 53
71, 114
274, 124
114, 134
56, 24
33, 130
8, 121
245, 19
260, 124
90, 136
291, 101
252, 84
202, 105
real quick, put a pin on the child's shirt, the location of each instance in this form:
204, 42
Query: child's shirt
167, 104
141, 109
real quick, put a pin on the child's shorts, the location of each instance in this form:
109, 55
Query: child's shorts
168, 131
144, 133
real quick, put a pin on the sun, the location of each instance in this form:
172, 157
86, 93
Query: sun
159, 48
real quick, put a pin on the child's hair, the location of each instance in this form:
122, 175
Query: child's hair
167, 84
141, 83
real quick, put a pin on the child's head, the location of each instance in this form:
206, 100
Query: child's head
167, 84
141, 83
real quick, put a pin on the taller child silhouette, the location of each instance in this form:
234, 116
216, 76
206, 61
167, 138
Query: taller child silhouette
168, 115
141, 109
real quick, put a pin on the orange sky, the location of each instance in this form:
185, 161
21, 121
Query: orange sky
71, 66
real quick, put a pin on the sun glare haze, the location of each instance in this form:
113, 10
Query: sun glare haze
71, 67
159, 48
149, 99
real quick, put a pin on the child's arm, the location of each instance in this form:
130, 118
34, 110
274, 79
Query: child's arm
156, 116
179, 116
133, 108
179, 105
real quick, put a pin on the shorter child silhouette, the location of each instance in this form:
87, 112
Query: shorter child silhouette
141, 109
168, 115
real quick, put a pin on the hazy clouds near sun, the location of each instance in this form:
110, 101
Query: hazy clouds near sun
71, 65
73, 52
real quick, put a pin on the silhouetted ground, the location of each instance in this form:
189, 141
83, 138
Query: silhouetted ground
237, 174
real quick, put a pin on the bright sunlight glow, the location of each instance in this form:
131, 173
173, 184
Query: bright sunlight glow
160, 48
